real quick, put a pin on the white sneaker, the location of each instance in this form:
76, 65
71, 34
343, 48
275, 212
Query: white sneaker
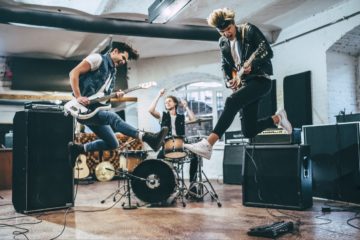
284, 122
202, 148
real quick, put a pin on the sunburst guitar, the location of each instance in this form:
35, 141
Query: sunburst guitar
237, 75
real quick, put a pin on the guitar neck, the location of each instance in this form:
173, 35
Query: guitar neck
112, 95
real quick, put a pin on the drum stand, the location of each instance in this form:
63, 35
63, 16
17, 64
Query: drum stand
181, 186
127, 189
202, 185
117, 192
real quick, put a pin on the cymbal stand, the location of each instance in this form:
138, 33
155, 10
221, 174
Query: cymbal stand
117, 192
202, 185
129, 206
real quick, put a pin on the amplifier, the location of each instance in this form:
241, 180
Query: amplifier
44, 106
277, 136
234, 137
277, 176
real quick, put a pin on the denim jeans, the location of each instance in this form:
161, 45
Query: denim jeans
246, 100
104, 124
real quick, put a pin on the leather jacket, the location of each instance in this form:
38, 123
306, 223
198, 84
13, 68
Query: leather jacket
261, 65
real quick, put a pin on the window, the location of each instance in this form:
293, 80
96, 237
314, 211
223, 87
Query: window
206, 100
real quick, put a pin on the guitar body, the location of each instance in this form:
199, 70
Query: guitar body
237, 75
81, 170
75, 109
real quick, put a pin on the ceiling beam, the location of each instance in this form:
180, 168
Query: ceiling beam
97, 24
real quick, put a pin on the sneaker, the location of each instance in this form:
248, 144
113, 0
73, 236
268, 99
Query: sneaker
155, 140
74, 151
284, 122
202, 148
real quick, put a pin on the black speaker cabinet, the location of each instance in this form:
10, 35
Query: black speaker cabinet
232, 163
42, 174
297, 99
277, 176
335, 152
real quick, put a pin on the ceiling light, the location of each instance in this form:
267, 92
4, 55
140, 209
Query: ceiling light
161, 11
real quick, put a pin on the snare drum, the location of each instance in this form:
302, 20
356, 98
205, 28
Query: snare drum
174, 147
160, 181
130, 159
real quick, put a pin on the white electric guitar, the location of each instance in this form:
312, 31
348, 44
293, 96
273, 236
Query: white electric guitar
79, 111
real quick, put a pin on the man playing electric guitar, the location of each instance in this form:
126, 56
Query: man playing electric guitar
97, 73
237, 44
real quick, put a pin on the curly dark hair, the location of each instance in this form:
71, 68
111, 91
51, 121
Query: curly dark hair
175, 100
124, 47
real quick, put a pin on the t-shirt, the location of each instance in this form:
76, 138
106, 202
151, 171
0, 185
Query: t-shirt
94, 60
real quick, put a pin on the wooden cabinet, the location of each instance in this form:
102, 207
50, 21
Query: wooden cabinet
5, 169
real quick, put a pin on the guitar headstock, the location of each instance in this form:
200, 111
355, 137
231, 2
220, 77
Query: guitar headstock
261, 51
147, 85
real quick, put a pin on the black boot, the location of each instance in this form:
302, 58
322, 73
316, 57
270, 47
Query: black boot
155, 140
74, 151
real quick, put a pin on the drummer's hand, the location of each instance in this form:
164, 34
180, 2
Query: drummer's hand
120, 94
184, 103
162, 92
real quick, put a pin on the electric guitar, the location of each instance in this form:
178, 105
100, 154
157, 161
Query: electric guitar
236, 75
79, 111
81, 170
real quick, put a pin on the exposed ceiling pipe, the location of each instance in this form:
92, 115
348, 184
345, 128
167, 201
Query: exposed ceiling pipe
96, 24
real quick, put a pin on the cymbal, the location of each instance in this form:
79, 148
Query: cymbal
101, 172
199, 120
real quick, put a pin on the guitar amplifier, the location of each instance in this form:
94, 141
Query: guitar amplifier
44, 106
277, 136
235, 137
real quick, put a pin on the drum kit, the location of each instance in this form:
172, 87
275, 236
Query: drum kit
157, 181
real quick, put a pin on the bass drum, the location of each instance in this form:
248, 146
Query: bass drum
160, 181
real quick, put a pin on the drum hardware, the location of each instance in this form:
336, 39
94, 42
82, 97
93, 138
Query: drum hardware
202, 185
127, 188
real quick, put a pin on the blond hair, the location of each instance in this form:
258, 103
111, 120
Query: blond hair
218, 16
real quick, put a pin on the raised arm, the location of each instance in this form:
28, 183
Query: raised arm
188, 110
152, 108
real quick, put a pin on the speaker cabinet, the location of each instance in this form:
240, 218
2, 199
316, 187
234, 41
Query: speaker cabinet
42, 174
335, 152
277, 176
232, 164
297, 99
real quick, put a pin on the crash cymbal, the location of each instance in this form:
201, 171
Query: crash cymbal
102, 173
199, 120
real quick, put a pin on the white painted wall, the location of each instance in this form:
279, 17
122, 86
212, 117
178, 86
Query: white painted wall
341, 75
309, 53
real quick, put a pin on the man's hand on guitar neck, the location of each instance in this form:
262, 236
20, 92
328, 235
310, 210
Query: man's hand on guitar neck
120, 94
247, 67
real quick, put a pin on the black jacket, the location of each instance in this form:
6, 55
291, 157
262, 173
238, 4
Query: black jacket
248, 44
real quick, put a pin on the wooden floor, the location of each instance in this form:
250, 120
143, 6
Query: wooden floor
90, 219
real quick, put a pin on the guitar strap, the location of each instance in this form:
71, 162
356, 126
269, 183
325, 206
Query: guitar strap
106, 85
